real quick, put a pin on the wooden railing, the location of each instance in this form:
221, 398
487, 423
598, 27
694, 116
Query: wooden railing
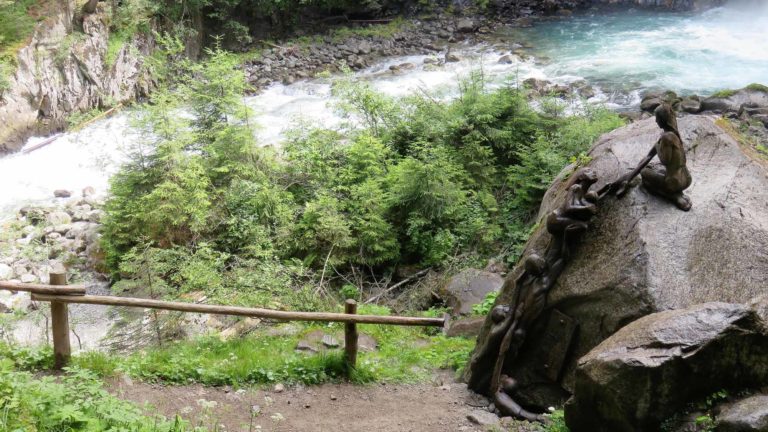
59, 294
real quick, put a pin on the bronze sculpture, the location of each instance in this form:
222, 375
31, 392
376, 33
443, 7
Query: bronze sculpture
571, 219
530, 301
672, 178
566, 224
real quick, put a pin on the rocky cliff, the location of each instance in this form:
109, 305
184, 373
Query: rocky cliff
65, 69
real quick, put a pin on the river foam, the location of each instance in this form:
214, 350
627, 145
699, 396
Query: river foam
620, 54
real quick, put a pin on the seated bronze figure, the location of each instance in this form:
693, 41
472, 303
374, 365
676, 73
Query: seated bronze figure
671, 178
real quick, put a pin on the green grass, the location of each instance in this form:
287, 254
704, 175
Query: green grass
16, 26
404, 355
724, 93
377, 30
116, 43
758, 87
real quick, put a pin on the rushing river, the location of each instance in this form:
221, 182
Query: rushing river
620, 54
626, 53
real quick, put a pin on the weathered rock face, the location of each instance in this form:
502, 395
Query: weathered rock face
754, 96
469, 288
643, 255
48, 85
652, 368
746, 415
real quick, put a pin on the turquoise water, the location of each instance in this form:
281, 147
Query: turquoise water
628, 52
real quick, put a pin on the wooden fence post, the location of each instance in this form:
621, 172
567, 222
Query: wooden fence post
60, 325
350, 337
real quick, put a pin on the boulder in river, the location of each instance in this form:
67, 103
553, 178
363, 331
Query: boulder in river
754, 95
642, 254
465, 25
656, 366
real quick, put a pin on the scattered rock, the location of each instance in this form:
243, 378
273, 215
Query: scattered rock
58, 217
506, 59
305, 346
587, 92
88, 191
746, 415
760, 305
279, 388
655, 366
691, 104
451, 57
496, 266
241, 328
469, 288
650, 102
732, 101
61, 193
466, 327
465, 25
366, 342
483, 418
28, 278
329, 341
6, 272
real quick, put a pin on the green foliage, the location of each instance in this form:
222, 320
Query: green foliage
705, 409
484, 307
387, 30
75, 401
26, 358
414, 181
16, 24
758, 87
349, 291
404, 355
557, 422
6, 69
723, 93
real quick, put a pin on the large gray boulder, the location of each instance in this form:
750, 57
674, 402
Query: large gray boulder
642, 254
654, 367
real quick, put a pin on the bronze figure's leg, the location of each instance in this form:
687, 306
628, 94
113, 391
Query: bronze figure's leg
656, 181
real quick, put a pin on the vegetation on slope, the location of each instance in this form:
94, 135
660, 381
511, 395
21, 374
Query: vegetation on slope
415, 181
75, 401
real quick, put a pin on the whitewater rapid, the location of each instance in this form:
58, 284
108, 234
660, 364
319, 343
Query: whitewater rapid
622, 55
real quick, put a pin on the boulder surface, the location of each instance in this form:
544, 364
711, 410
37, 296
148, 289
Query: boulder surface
653, 368
746, 415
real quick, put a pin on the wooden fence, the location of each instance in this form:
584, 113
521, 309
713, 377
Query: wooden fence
59, 294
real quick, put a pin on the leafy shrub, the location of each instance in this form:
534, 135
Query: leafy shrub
484, 307
414, 181
75, 402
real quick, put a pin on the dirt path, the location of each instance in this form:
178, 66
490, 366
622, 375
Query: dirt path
442, 405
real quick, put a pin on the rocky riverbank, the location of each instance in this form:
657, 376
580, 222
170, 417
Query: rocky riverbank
41, 238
